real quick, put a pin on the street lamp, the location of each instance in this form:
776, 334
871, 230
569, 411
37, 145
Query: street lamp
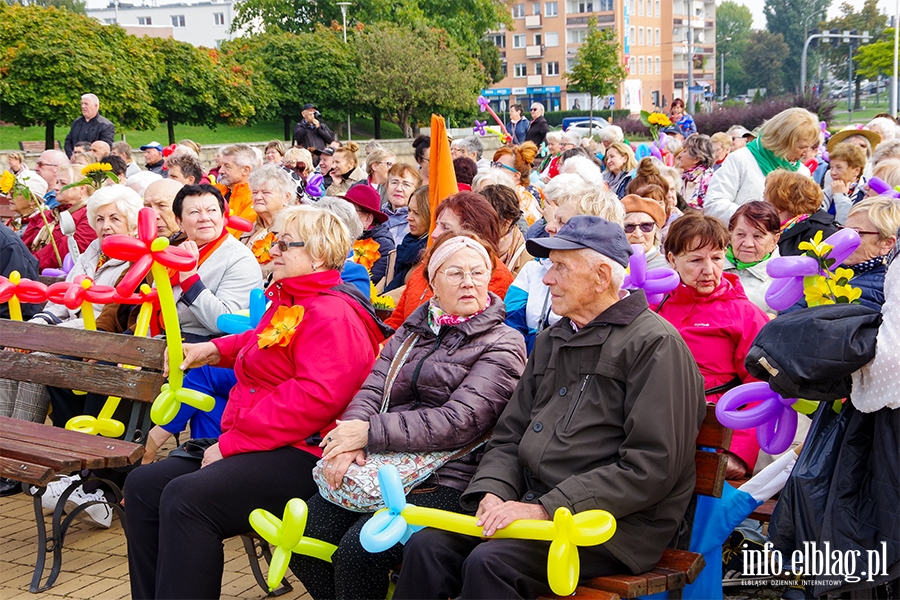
722, 69
344, 6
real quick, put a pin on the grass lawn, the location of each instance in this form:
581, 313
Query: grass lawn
869, 109
262, 131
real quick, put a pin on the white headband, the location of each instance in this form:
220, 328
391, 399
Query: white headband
449, 248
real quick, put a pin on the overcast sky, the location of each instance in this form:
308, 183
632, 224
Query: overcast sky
888, 7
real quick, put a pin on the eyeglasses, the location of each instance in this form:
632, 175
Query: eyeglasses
43, 164
456, 276
534, 109
645, 227
403, 184
500, 165
568, 145
861, 232
283, 246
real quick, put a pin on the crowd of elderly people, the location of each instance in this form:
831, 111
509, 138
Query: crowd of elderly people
513, 334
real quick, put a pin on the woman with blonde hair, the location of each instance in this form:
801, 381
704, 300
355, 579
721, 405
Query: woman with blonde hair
346, 171
274, 152
721, 143
620, 162
782, 142
518, 162
378, 164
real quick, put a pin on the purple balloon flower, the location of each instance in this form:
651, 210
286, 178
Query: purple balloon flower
479, 127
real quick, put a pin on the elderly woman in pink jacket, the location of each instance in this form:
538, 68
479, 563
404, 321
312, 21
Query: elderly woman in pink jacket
714, 316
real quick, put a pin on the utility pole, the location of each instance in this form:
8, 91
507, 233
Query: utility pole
894, 78
690, 57
722, 70
344, 6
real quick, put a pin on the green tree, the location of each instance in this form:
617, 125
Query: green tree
598, 68
411, 72
295, 69
49, 57
878, 57
762, 60
196, 86
733, 29
787, 18
75, 6
870, 19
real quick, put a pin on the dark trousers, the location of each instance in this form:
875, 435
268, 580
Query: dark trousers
354, 572
440, 564
178, 515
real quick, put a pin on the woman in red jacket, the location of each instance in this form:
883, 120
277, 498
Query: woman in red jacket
296, 373
715, 318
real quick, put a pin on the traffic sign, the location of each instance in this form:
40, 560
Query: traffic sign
612, 101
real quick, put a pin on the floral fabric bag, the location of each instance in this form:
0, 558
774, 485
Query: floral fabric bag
360, 491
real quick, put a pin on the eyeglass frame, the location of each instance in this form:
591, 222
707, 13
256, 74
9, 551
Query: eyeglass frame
499, 165
634, 226
463, 274
283, 246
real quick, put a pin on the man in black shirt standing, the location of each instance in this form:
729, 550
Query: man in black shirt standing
310, 133
89, 127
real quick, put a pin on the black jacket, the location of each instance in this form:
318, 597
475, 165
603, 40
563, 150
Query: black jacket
98, 128
15, 256
805, 231
307, 136
537, 131
381, 234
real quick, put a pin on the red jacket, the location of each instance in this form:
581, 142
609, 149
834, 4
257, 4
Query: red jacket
84, 235
719, 329
285, 395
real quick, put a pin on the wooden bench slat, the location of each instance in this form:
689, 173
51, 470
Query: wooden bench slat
110, 451
19, 470
710, 473
58, 460
675, 580
626, 586
97, 345
106, 380
587, 592
689, 563
656, 582
100, 446
712, 433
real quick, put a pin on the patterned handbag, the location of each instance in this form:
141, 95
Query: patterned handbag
359, 491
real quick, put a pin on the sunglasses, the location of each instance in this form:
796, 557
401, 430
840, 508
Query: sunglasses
283, 246
645, 227
500, 165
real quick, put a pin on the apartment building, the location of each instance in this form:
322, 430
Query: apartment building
653, 36
201, 23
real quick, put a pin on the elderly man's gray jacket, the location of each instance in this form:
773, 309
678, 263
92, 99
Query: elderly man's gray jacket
603, 418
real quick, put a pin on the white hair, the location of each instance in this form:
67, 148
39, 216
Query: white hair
885, 150
554, 136
243, 155
583, 167
612, 134
573, 137
92, 97
141, 180
486, 177
887, 126
277, 177
590, 200
345, 211
184, 150
618, 271
126, 200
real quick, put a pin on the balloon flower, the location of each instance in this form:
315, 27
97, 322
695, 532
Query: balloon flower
486, 106
479, 127
773, 416
792, 275
104, 424
236, 222
67, 264
883, 188
287, 537
152, 254
655, 282
82, 294
565, 532
644, 150
240, 323
315, 185
16, 290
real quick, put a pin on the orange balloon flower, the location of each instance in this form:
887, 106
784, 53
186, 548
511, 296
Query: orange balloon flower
282, 327
366, 252
261, 248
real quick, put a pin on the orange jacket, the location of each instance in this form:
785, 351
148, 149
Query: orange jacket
240, 201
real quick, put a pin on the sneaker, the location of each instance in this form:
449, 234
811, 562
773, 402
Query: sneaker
99, 514
54, 490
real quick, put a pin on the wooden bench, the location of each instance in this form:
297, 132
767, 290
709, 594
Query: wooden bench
59, 370
37, 146
33, 453
678, 567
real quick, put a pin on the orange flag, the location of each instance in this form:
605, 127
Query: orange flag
441, 176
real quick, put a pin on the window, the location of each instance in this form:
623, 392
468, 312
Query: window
538, 68
504, 68
551, 9
658, 13
640, 37
570, 62
109, 21
553, 68
631, 69
640, 65
631, 7
498, 39
538, 39
656, 33
649, 8
640, 7
577, 36
657, 66
518, 11
219, 18
519, 40
632, 38
520, 70
177, 20
145, 21
535, 8
586, 6
606, 5
552, 39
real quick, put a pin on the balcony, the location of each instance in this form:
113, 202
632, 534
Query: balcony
534, 51
584, 20
533, 22
535, 80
